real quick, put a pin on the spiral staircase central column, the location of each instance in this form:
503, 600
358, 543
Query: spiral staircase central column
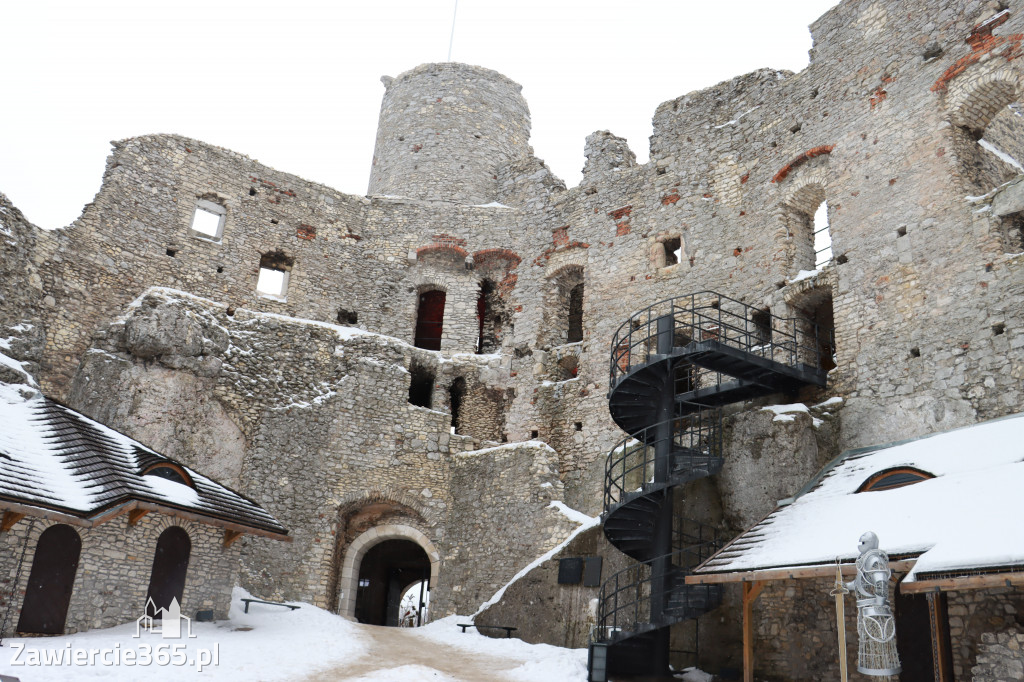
661, 568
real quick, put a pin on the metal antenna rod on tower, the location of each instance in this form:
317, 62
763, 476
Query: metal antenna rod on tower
452, 38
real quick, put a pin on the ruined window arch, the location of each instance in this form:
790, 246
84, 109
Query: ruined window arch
808, 234
564, 304
988, 132
430, 319
489, 313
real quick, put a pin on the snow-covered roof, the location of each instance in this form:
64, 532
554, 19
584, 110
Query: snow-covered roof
53, 458
967, 518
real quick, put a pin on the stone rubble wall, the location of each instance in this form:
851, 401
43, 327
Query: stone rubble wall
1000, 658
114, 569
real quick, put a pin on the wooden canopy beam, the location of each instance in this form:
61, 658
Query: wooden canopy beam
230, 536
967, 582
751, 591
10, 518
135, 515
794, 573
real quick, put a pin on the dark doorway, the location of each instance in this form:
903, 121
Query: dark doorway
488, 318
48, 594
170, 564
913, 637
421, 385
575, 314
430, 320
385, 572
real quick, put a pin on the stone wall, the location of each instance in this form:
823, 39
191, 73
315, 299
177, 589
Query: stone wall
1000, 657
882, 126
975, 616
114, 569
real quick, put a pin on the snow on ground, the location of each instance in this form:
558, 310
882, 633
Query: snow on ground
540, 661
268, 643
273, 643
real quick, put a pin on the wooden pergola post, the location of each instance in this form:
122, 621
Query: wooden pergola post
751, 591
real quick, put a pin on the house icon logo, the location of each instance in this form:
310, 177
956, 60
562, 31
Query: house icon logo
170, 626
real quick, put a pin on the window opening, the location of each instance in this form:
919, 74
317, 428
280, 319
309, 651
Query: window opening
274, 273
761, 321
575, 314
421, 386
822, 237
208, 220
347, 316
488, 317
430, 320
456, 393
170, 473
673, 250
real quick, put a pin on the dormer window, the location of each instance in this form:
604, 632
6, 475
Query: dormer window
169, 471
894, 478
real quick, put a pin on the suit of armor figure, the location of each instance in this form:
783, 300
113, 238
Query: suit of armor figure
876, 626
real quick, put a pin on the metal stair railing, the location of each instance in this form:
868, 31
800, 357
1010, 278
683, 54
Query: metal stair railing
625, 604
709, 316
629, 470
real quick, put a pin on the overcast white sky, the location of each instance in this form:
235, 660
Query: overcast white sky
296, 84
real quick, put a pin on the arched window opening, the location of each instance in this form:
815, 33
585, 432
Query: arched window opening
990, 136
170, 566
430, 320
489, 318
421, 386
894, 478
575, 332
456, 395
805, 214
385, 574
50, 582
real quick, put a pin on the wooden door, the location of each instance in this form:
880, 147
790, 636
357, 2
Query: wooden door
430, 320
170, 565
48, 594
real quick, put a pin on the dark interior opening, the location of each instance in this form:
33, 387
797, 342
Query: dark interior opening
456, 393
421, 386
386, 570
170, 566
672, 247
430, 320
575, 314
761, 321
48, 593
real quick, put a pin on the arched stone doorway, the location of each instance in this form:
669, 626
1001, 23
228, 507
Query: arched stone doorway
413, 545
386, 571
170, 566
48, 594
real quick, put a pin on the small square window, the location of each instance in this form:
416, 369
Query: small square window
272, 282
208, 220
273, 278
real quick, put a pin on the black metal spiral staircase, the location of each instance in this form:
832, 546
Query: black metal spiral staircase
673, 365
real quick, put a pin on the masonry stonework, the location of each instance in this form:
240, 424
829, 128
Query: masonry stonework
302, 399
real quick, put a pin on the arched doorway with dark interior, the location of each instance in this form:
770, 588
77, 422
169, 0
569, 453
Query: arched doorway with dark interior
50, 582
386, 572
170, 566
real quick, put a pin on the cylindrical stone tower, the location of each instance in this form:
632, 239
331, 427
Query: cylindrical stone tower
445, 130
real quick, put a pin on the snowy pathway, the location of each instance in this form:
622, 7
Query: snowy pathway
401, 654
